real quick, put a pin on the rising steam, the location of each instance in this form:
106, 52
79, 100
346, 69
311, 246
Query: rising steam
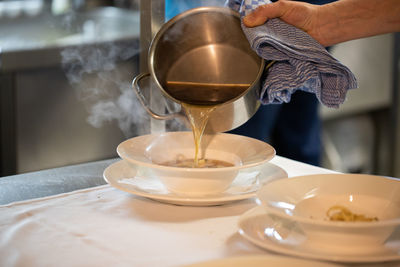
105, 87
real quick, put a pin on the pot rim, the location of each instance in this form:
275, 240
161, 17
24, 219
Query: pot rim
180, 16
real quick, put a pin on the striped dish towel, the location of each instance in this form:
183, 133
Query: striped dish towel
301, 62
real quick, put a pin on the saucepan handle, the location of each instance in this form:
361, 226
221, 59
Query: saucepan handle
145, 103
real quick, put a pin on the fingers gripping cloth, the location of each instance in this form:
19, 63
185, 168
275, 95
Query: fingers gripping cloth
301, 63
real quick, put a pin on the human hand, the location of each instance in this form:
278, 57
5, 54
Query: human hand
302, 15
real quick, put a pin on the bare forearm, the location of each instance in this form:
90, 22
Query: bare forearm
352, 19
336, 22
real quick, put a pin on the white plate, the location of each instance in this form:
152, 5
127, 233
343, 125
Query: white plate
122, 176
261, 261
283, 236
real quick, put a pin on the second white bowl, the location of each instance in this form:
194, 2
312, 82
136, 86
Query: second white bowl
305, 201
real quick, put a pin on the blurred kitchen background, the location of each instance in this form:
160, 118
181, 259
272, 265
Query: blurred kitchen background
66, 68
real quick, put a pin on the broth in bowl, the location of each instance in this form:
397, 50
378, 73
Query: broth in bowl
202, 163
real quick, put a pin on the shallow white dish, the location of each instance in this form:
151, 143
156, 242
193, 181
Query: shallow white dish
283, 236
122, 176
151, 151
261, 261
305, 200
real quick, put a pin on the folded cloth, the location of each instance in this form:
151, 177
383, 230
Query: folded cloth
301, 63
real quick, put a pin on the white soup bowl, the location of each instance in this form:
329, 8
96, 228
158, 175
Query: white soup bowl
306, 200
149, 152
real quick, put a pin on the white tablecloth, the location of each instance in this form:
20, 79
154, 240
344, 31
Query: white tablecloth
102, 226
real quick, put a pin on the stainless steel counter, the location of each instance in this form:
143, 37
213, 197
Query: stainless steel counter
52, 181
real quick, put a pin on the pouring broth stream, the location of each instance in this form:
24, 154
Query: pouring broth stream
198, 110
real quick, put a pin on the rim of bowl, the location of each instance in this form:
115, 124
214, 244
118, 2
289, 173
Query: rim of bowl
185, 169
305, 220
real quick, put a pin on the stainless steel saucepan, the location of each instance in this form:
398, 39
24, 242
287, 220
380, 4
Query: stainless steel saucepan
202, 57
